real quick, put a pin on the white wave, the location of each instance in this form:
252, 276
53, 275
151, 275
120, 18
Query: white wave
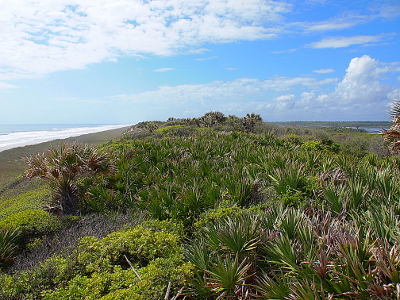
20, 139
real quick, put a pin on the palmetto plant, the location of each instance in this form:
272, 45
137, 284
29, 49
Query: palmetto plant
250, 121
8, 245
227, 277
224, 257
393, 134
62, 166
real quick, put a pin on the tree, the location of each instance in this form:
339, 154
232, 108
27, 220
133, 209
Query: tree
212, 118
250, 121
63, 166
393, 134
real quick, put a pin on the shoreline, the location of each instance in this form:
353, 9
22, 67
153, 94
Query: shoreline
17, 139
12, 164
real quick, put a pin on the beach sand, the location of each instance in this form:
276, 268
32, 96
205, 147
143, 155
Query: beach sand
12, 164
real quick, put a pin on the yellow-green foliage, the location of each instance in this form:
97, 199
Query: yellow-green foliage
125, 284
29, 200
139, 244
168, 129
98, 268
215, 214
31, 220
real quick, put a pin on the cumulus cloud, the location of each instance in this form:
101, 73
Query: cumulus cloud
283, 102
361, 83
361, 92
42, 37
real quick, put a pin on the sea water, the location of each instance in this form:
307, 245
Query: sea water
18, 135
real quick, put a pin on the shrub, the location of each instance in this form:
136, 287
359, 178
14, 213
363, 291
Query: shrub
141, 260
33, 223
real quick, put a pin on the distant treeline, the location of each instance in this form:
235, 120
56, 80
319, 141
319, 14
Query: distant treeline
378, 124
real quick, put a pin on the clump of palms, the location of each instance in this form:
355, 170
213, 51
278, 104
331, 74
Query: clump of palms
250, 121
63, 166
393, 134
212, 118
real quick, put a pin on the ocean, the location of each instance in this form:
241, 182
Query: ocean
18, 135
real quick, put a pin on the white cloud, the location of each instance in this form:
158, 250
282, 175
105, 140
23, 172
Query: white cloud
198, 51
236, 90
330, 26
42, 37
361, 91
284, 51
361, 94
341, 42
283, 102
163, 69
6, 86
231, 69
324, 71
207, 58
361, 84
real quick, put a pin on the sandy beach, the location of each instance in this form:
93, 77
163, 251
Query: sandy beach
24, 138
12, 163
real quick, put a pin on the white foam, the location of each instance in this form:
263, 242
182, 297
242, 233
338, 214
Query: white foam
20, 139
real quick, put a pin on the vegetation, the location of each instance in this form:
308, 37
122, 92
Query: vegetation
62, 166
393, 134
209, 208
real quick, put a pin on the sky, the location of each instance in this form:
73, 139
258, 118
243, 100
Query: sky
127, 61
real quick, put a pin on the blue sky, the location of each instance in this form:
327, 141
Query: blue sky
126, 61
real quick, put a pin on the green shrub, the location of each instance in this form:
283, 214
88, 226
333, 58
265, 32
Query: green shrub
168, 129
33, 199
32, 220
141, 260
215, 214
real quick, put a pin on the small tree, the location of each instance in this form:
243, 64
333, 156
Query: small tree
212, 118
62, 166
250, 121
393, 134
